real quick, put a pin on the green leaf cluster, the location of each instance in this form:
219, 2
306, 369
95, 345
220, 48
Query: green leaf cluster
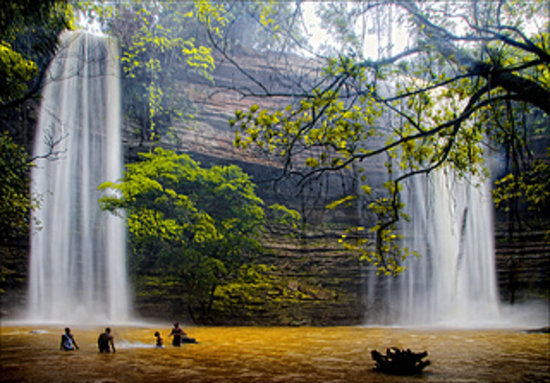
532, 186
158, 41
323, 124
16, 72
197, 224
258, 288
28, 40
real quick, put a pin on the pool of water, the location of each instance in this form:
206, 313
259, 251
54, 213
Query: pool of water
271, 354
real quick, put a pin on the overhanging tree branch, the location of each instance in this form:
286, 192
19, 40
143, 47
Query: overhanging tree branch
523, 88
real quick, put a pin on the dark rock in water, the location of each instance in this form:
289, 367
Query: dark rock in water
542, 330
399, 361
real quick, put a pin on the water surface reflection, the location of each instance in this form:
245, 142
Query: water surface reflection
271, 354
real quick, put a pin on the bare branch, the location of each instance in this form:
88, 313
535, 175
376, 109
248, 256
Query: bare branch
52, 140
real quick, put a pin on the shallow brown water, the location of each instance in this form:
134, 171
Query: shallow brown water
271, 354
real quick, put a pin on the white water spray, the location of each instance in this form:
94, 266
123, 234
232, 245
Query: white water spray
453, 283
77, 268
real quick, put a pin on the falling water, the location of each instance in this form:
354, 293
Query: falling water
77, 266
453, 282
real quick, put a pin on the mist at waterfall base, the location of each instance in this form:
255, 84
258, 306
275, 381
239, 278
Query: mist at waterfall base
77, 264
452, 283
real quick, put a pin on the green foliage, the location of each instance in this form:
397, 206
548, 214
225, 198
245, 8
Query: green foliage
337, 132
283, 218
532, 186
16, 72
346, 200
523, 192
431, 106
16, 202
165, 43
250, 286
324, 122
158, 41
198, 225
258, 288
28, 39
385, 252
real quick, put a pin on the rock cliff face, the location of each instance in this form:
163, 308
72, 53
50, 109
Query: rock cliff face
318, 284
522, 263
523, 266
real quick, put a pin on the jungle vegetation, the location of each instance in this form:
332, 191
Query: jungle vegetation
191, 225
473, 76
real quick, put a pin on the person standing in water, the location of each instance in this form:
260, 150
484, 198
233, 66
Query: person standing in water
67, 341
177, 333
180, 336
106, 341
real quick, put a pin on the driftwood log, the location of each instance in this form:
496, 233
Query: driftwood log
399, 361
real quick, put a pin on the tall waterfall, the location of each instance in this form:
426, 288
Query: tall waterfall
77, 267
453, 282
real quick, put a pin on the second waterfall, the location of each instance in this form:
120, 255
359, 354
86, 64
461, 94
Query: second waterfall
453, 282
77, 267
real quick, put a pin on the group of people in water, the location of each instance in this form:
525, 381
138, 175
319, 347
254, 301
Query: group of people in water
178, 337
105, 341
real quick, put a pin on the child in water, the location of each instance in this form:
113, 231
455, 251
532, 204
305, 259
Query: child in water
160, 343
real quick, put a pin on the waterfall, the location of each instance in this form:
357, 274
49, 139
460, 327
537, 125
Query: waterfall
453, 282
77, 263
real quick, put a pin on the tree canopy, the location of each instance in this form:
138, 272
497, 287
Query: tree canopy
194, 225
158, 41
163, 42
28, 40
473, 75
